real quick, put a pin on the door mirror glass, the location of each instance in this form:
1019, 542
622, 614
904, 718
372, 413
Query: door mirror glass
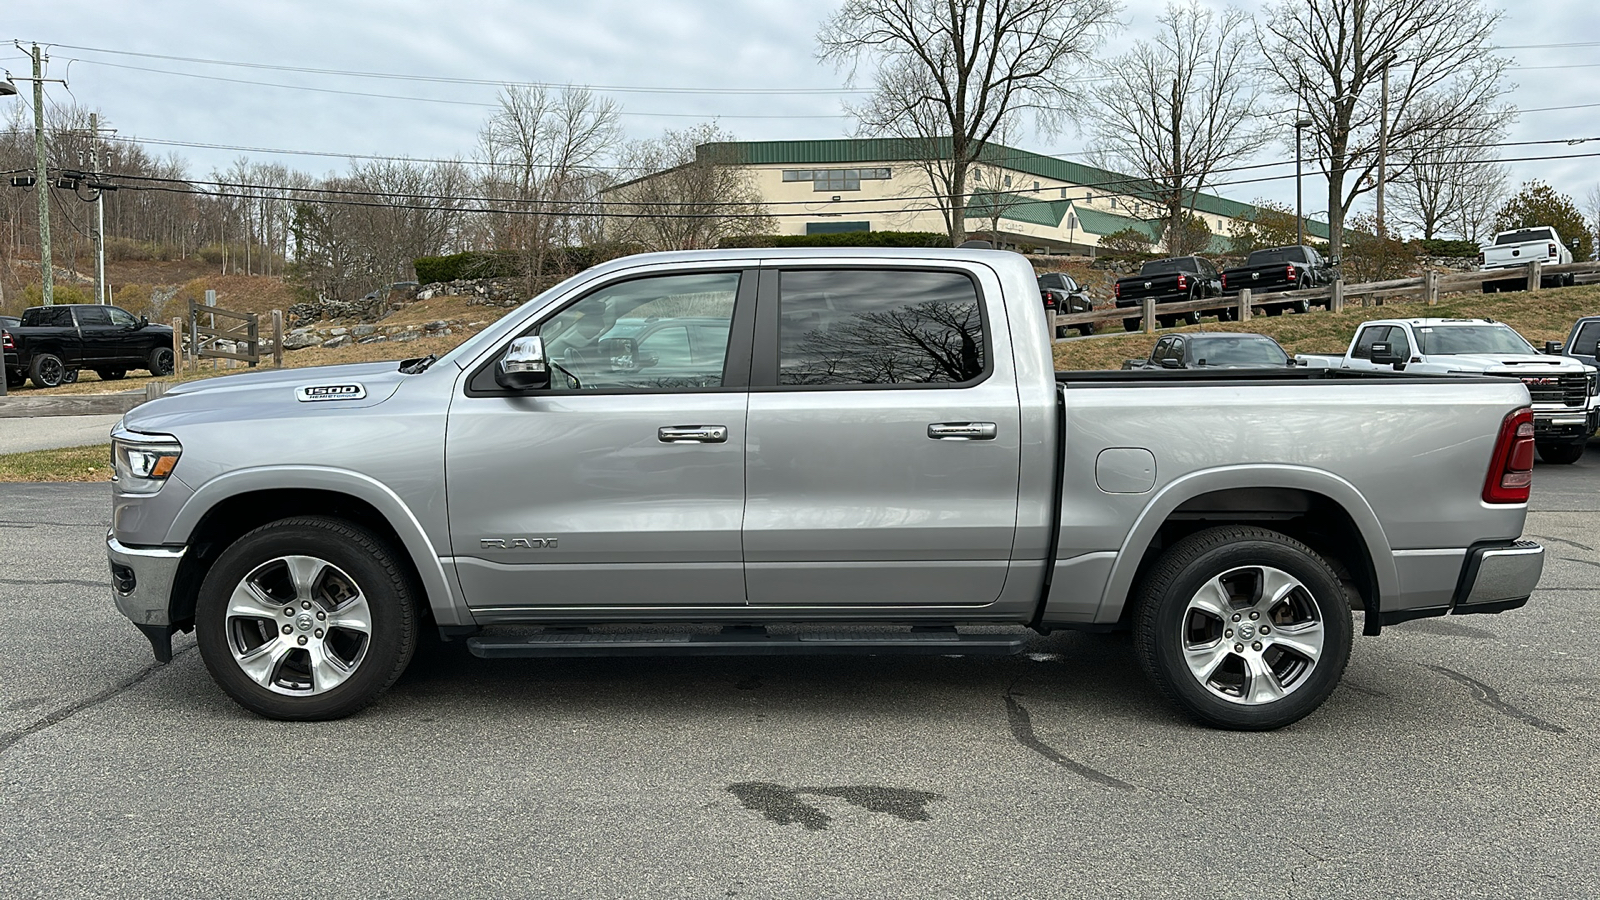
1169, 362
621, 354
523, 367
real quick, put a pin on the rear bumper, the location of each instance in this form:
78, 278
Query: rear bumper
1494, 578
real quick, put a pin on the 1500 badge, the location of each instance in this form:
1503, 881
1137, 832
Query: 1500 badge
330, 392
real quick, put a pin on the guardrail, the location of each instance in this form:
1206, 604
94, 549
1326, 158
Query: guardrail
1337, 295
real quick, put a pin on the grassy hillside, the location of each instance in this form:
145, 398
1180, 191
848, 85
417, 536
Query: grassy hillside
1538, 316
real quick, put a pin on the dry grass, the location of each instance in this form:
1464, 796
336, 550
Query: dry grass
1538, 316
446, 309
66, 464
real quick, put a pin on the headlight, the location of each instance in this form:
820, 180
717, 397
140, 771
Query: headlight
1594, 383
141, 465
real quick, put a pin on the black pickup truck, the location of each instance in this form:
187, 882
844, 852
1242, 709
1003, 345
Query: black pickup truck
1062, 295
1279, 269
1214, 350
54, 342
1172, 280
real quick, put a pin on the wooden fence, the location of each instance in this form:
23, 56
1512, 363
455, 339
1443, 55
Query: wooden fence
1338, 295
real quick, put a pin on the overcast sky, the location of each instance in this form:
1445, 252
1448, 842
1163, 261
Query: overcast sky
750, 64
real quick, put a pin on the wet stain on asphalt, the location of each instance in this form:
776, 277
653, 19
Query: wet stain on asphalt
783, 806
1490, 697
1022, 729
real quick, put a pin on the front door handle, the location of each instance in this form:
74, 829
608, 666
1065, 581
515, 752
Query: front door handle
962, 431
693, 434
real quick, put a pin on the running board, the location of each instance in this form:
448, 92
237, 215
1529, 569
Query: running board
747, 642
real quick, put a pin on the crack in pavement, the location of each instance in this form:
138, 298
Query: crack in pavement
1490, 697
1545, 537
9, 740
1576, 560
1022, 728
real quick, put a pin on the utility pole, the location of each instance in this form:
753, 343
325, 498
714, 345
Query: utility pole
99, 212
41, 184
1383, 141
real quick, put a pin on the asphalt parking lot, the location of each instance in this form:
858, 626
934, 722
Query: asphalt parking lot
1458, 759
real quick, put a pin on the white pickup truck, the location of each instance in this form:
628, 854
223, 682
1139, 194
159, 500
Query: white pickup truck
1565, 409
1516, 248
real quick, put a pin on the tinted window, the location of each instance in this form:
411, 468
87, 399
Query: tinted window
1276, 255
1399, 344
863, 326
1450, 339
1369, 335
1168, 266
93, 317
1240, 351
588, 342
1584, 343
1523, 236
121, 317
52, 316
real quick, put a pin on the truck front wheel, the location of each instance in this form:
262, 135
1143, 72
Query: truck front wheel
306, 618
1562, 454
1243, 628
160, 362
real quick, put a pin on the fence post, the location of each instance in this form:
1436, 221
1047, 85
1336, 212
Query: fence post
1430, 287
277, 338
1149, 315
177, 345
1336, 298
1244, 305
1535, 274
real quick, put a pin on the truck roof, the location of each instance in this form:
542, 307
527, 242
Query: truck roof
1432, 323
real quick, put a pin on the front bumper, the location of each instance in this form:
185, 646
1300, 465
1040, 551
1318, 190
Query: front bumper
141, 587
1570, 423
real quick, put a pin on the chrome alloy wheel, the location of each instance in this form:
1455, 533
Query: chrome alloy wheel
298, 625
1252, 635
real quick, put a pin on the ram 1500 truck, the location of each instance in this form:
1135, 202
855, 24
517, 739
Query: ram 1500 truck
1279, 269
870, 438
1213, 349
1172, 281
54, 342
1562, 389
1515, 249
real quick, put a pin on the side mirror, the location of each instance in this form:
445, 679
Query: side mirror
1383, 354
621, 354
1170, 363
1553, 348
144, 321
523, 367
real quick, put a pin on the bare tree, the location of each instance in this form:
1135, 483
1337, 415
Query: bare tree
1175, 110
950, 73
1592, 207
1450, 180
686, 193
538, 154
1332, 57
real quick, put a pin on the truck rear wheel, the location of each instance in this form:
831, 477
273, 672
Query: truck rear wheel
1243, 628
1562, 454
47, 370
305, 619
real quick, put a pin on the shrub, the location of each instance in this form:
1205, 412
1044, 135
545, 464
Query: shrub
1127, 242
33, 294
1436, 247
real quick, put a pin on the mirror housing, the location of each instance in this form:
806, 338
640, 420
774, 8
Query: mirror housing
1170, 363
1383, 354
1554, 348
144, 321
523, 367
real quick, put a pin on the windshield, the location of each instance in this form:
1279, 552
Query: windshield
1239, 351
1524, 236
1276, 255
1452, 339
1168, 266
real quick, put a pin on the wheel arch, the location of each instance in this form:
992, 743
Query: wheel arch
1314, 506
229, 506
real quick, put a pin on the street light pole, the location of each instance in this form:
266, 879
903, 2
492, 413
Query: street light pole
41, 184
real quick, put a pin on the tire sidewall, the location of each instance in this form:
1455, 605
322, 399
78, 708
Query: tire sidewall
1160, 633
43, 365
161, 361
379, 579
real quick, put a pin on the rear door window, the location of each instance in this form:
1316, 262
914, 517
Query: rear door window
93, 317
845, 327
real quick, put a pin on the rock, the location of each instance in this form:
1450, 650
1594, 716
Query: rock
337, 341
407, 336
338, 331
363, 330
300, 339
373, 339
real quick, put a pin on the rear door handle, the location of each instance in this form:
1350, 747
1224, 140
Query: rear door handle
693, 434
962, 431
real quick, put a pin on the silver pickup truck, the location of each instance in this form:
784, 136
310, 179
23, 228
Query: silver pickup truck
811, 451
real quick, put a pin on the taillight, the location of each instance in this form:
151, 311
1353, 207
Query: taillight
1116, 289
1292, 275
1224, 279
1511, 468
1480, 257
1183, 282
1553, 252
5, 340
1049, 300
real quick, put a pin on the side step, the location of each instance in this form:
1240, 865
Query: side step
748, 642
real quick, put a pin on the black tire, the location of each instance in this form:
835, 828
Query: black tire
342, 558
1562, 454
1086, 329
111, 374
1130, 324
47, 370
160, 361
71, 377
15, 379
1300, 306
1313, 609
1274, 310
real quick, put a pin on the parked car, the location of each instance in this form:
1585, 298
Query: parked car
883, 443
15, 376
1062, 295
1516, 248
1213, 350
54, 342
1172, 280
1279, 269
1583, 345
1562, 389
